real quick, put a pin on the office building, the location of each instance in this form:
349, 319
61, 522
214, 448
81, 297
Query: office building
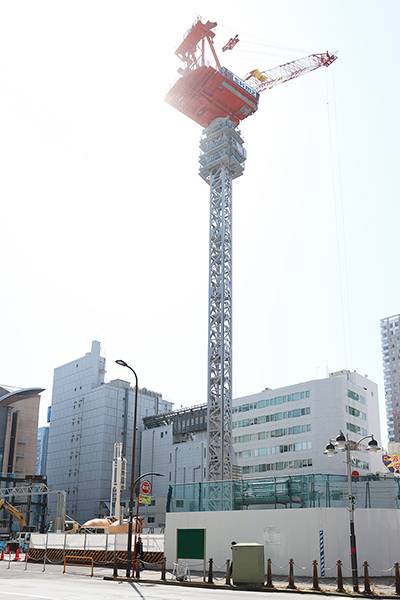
390, 342
285, 431
88, 416
41, 450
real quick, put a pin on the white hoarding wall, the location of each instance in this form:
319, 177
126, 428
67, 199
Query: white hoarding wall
95, 541
302, 534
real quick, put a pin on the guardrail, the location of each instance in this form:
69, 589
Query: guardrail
75, 558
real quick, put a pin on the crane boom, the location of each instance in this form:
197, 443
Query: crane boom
262, 80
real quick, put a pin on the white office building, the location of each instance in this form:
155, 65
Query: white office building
285, 431
88, 416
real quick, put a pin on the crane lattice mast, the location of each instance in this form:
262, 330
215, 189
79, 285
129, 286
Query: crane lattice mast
219, 100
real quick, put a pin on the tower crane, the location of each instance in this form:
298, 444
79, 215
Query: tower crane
219, 100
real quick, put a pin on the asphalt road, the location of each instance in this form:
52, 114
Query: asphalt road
16, 583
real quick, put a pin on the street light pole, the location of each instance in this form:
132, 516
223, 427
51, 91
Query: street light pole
137, 508
122, 363
343, 443
353, 545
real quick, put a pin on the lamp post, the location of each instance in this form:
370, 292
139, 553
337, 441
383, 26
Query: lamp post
122, 363
137, 508
343, 443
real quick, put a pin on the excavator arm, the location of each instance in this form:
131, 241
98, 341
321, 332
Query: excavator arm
262, 80
13, 512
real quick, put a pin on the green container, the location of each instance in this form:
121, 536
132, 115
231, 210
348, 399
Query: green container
248, 564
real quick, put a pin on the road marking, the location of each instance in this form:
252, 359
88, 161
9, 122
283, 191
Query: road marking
30, 595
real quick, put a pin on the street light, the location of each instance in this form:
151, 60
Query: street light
137, 508
122, 363
343, 443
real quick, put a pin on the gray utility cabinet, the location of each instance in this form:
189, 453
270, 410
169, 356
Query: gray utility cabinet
248, 564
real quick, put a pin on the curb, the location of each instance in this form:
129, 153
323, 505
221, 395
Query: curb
264, 589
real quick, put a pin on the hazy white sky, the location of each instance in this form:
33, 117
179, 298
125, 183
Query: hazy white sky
104, 219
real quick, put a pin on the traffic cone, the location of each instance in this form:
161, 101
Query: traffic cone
2, 554
17, 555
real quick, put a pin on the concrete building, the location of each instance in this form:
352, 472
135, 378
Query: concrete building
88, 416
19, 414
285, 431
276, 432
390, 342
175, 444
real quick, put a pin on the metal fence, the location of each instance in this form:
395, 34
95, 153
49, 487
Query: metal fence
303, 491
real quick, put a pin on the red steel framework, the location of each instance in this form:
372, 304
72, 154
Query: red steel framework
207, 90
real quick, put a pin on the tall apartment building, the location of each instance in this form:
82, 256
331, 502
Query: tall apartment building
390, 342
275, 432
88, 416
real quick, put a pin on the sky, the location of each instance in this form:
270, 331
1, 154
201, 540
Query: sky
104, 219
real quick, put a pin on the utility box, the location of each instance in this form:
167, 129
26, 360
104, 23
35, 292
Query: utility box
248, 564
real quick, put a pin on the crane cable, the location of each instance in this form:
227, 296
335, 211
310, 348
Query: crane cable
263, 43
340, 225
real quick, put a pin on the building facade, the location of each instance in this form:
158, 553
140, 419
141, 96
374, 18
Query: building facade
88, 416
175, 444
41, 450
390, 342
19, 415
285, 431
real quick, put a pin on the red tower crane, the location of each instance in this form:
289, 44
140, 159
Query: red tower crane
218, 100
207, 91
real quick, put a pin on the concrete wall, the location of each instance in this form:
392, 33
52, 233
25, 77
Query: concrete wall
295, 534
180, 463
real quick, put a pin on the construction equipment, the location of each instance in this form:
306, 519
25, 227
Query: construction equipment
15, 513
111, 525
69, 527
219, 100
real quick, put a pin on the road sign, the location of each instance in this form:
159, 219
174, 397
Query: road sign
145, 487
355, 475
144, 499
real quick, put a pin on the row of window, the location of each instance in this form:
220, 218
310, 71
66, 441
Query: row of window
355, 396
387, 360
271, 401
356, 429
359, 464
356, 413
290, 414
193, 421
278, 466
263, 435
275, 449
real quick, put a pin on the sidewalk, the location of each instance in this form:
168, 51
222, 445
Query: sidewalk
380, 586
